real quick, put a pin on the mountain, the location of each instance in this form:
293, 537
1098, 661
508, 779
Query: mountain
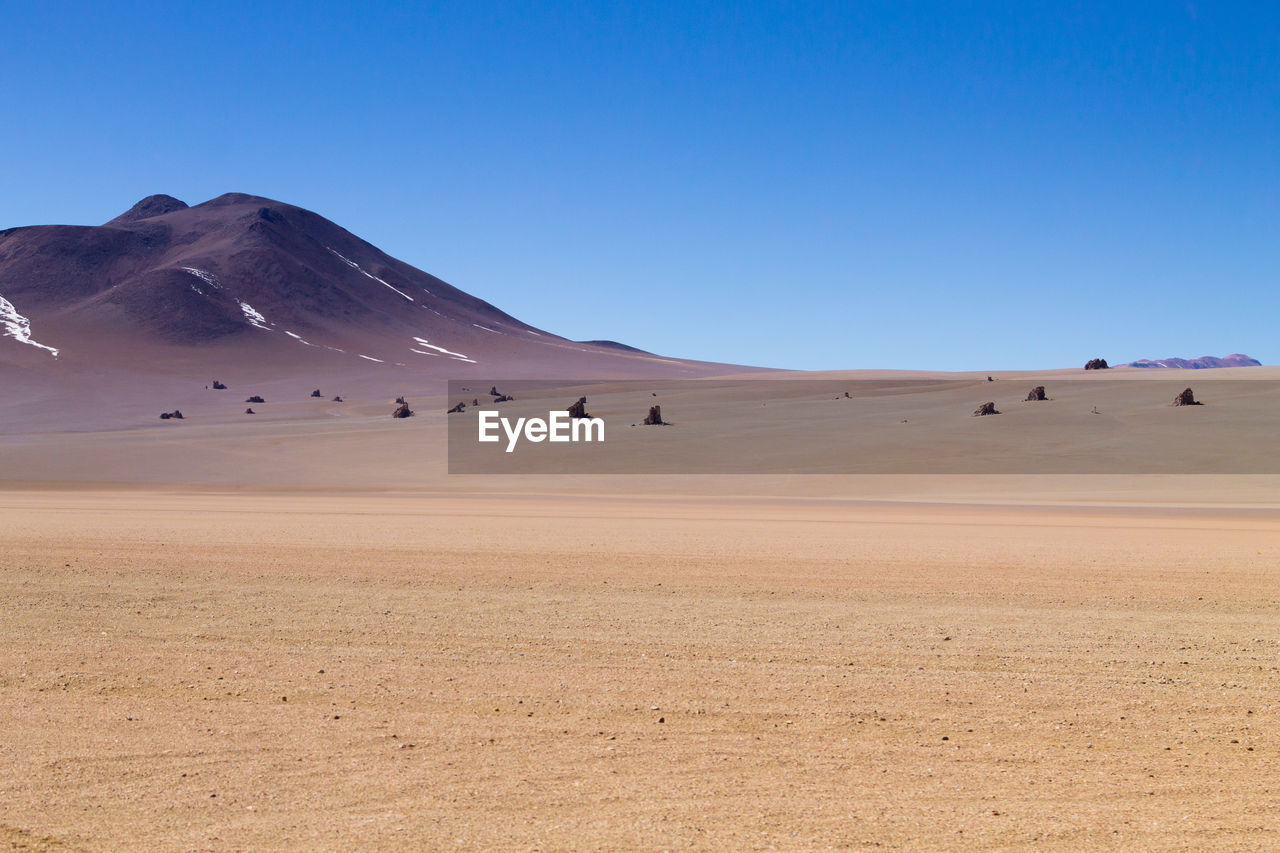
1201, 363
249, 281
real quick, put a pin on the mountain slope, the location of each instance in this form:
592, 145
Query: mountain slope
271, 282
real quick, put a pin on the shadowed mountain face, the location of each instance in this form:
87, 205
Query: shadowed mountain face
1201, 363
268, 280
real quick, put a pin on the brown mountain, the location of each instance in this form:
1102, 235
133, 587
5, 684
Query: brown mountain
265, 281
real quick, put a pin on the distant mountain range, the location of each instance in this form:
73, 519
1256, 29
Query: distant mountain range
1201, 363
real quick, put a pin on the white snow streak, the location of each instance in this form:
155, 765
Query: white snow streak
487, 329
356, 266
254, 318
422, 342
298, 338
207, 277
14, 325
371, 358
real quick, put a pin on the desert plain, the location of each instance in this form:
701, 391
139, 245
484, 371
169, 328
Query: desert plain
300, 632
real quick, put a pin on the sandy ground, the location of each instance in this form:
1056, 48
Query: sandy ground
186, 670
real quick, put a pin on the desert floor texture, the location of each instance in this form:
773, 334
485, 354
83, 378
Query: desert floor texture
194, 669
298, 631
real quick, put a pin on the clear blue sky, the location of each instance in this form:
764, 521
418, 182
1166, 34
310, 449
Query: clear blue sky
814, 185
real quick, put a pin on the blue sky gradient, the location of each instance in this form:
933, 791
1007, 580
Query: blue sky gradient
958, 185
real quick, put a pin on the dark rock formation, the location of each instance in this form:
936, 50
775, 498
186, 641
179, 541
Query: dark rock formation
1186, 398
579, 409
476, 401
218, 386
461, 407
400, 400
250, 411
1096, 364
986, 409
503, 398
1036, 393
316, 393
403, 411
338, 399
175, 414
255, 399
493, 391
654, 417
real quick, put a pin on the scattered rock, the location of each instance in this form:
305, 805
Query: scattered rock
1036, 393
218, 386
255, 399
986, 409
579, 409
846, 395
316, 393
989, 379
400, 400
503, 398
476, 401
339, 399
1096, 364
175, 414
461, 407
493, 391
250, 411
655, 417
403, 411
1186, 398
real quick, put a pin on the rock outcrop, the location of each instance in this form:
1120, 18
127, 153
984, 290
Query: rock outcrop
1096, 364
175, 414
654, 418
460, 407
250, 411
316, 393
985, 409
1186, 398
403, 411
255, 399
579, 409
1036, 393
218, 386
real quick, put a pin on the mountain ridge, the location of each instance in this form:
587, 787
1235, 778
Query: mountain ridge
247, 271
1204, 362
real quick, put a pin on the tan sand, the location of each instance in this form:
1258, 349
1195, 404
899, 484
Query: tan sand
187, 670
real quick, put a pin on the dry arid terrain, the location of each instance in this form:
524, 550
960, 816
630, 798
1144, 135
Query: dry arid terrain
298, 631
190, 670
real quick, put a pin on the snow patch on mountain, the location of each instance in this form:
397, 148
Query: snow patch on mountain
18, 327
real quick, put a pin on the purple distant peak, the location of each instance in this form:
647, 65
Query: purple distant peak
1201, 363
